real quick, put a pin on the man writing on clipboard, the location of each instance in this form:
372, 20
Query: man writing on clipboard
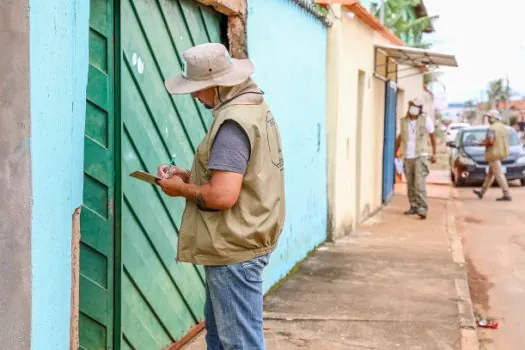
234, 194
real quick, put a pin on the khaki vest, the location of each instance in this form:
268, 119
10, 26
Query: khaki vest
252, 226
500, 149
421, 135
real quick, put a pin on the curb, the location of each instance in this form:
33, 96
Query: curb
466, 319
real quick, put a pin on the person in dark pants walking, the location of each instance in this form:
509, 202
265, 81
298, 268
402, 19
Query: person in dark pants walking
496, 149
416, 131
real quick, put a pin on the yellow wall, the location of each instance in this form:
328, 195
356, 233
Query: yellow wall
333, 63
355, 145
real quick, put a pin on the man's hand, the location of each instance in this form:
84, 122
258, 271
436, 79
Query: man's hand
221, 193
164, 173
482, 143
398, 145
434, 147
171, 186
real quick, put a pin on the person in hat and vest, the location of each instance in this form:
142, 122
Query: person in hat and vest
417, 129
235, 200
496, 149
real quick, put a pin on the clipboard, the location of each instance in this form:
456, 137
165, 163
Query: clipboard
144, 176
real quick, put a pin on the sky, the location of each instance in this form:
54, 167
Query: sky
488, 39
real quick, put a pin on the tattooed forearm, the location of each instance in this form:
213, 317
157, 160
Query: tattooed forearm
199, 200
203, 196
201, 203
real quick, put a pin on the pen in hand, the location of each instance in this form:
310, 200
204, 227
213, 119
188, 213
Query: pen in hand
170, 164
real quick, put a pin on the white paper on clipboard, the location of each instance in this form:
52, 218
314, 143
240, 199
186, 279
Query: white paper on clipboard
144, 176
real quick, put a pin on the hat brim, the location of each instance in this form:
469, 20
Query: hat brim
415, 104
241, 70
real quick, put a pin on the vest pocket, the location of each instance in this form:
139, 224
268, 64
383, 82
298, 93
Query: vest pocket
207, 243
274, 141
422, 130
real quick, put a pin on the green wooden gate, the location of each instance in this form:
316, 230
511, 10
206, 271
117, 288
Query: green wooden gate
97, 219
156, 300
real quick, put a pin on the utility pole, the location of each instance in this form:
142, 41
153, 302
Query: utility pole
382, 12
481, 102
508, 92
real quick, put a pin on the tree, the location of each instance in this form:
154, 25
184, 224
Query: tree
499, 93
400, 17
470, 111
499, 90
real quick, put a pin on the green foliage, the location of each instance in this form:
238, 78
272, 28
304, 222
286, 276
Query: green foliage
321, 9
400, 17
499, 90
470, 104
470, 110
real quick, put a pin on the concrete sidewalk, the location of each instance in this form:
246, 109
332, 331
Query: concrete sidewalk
392, 284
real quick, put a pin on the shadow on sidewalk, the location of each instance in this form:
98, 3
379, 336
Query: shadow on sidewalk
438, 185
389, 285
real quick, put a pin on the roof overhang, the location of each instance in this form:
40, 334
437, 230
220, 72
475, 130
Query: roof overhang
373, 22
365, 16
342, 2
418, 57
423, 60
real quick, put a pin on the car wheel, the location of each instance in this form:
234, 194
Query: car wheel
522, 182
452, 177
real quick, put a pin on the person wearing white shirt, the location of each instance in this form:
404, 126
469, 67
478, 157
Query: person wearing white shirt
417, 131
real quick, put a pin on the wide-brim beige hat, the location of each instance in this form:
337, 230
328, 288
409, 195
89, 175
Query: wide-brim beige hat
206, 66
417, 102
494, 114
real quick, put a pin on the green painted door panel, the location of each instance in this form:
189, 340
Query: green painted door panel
194, 20
212, 24
157, 52
97, 217
130, 278
161, 298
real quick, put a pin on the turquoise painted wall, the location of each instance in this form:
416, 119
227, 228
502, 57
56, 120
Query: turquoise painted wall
288, 48
58, 64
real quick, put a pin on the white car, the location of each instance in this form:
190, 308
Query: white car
452, 131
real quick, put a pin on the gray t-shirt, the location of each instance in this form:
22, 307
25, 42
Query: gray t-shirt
231, 149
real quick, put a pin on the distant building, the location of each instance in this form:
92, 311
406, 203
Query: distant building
453, 113
513, 105
514, 109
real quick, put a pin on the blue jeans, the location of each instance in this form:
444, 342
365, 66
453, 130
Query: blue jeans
234, 306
